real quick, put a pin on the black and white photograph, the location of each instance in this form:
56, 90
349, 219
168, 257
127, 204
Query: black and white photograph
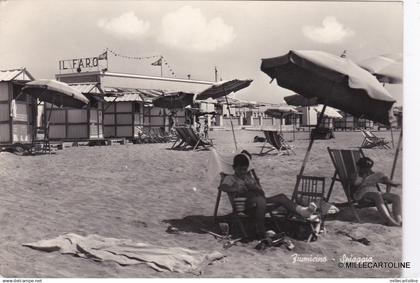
203, 139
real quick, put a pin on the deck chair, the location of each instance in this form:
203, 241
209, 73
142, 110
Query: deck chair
275, 141
158, 135
370, 140
311, 189
189, 139
344, 161
239, 215
182, 138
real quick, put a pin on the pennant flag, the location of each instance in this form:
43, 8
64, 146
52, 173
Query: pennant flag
103, 56
158, 62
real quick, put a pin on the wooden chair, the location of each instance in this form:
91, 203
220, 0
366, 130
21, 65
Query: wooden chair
276, 142
311, 189
344, 161
370, 140
239, 214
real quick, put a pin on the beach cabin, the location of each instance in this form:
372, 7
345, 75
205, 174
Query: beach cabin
17, 111
349, 122
73, 125
129, 97
128, 111
124, 110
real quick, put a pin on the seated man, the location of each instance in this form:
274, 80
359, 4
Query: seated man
244, 185
364, 184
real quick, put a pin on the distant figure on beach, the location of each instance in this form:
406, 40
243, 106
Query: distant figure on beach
365, 190
206, 129
245, 185
171, 121
197, 121
213, 120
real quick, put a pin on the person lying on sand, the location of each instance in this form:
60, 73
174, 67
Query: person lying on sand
245, 185
365, 189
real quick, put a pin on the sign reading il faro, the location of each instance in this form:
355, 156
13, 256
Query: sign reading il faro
81, 63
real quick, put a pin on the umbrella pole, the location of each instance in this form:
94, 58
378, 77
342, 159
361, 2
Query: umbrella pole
47, 131
392, 136
305, 159
294, 121
394, 163
231, 123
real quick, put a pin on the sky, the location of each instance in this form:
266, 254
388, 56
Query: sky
194, 37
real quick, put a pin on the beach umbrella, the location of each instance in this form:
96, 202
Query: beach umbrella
387, 68
55, 92
300, 100
280, 112
335, 81
223, 88
174, 100
329, 112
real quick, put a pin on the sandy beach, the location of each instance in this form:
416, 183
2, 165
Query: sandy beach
136, 191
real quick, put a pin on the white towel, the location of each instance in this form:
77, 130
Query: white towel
13, 109
128, 252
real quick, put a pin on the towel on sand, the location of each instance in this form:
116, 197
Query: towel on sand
127, 252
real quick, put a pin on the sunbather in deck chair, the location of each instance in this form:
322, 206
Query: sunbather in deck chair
276, 142
248, 199
346, 168
370, 140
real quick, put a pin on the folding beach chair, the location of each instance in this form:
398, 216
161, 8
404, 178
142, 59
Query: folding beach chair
239, 214
370, 140
311, 189
276, 142
182, 138
344, 161
189, 139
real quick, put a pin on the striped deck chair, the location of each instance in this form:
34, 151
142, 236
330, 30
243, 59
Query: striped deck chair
189, 139
195, 141
275, 141
181, 141
370, 140
344, 161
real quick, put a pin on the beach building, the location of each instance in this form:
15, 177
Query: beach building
250, 114
350, 123
128, 108
17, 111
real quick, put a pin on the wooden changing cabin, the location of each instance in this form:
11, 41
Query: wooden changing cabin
77, 125
129, 111
124, 111
17, 112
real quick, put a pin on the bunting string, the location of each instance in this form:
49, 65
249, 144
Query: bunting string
163, 62
132, 57
168, 66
